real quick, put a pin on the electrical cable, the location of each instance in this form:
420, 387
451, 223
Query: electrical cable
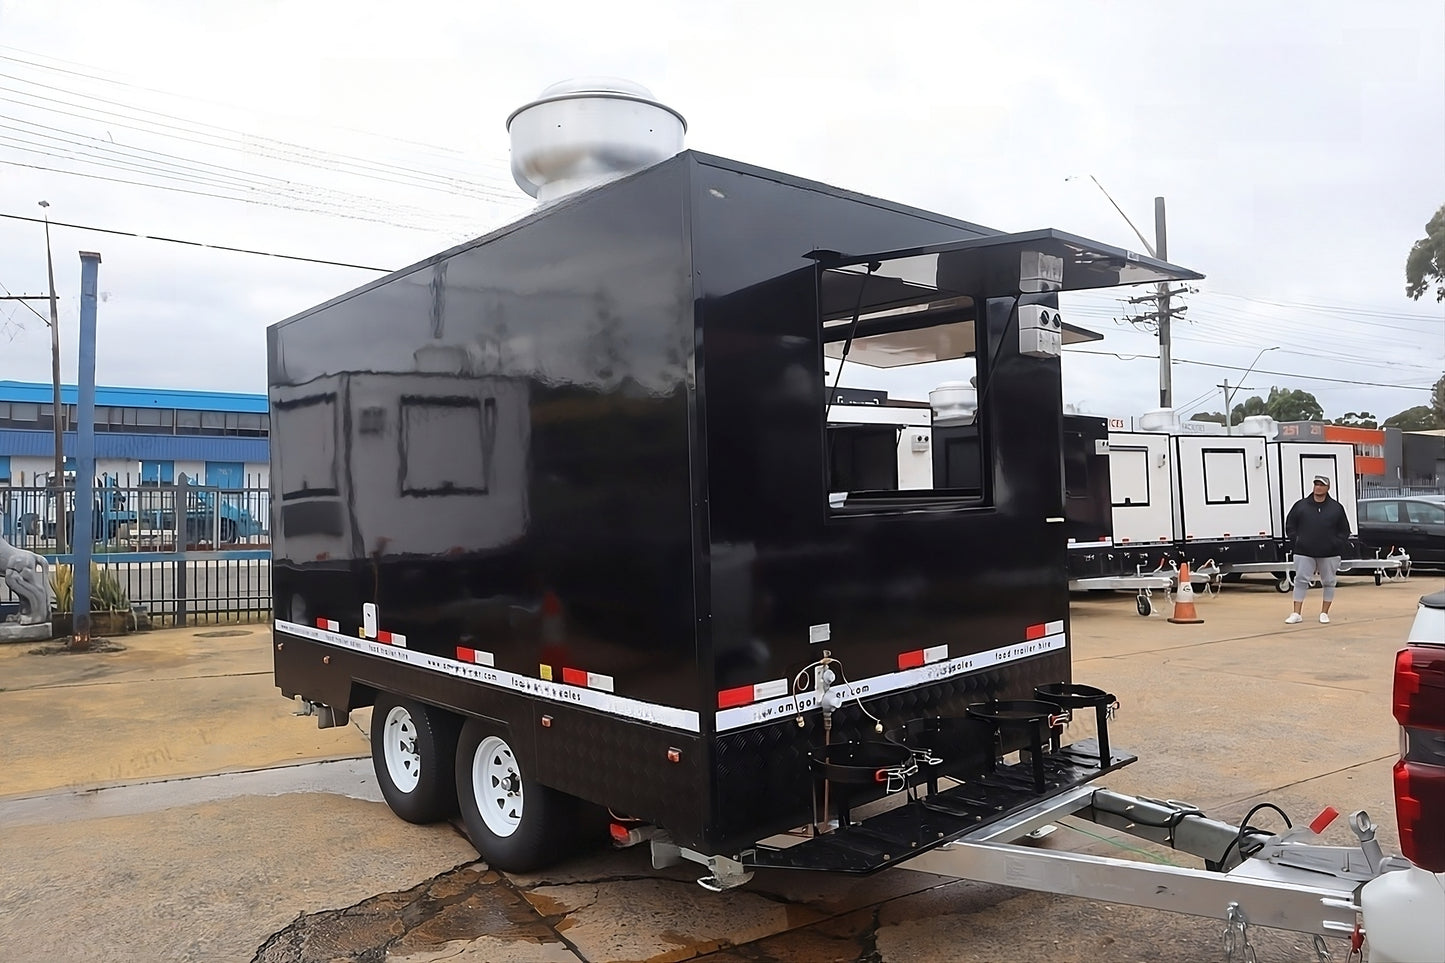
1230, 367
1238, 841
215, 247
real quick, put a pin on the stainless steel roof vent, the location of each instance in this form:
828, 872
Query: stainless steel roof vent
585, 132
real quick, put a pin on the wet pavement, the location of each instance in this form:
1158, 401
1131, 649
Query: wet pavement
161, 803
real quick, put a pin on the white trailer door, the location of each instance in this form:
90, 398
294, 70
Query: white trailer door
1139, 487
1300, 462
1223, 487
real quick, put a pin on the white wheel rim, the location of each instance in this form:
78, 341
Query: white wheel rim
497, 786
403, 762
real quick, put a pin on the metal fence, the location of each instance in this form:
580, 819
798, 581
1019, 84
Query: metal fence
183, 554
1373, 491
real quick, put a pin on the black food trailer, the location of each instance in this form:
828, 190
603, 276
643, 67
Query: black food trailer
562, 495
558, 504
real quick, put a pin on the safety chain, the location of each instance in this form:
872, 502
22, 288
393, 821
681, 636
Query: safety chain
1322, 950
1237, 948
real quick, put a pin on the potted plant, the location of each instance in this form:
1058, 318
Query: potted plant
109, 604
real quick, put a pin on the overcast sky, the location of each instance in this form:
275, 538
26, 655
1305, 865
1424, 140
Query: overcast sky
1301, 149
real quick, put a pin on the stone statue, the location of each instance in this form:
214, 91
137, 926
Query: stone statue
27, 574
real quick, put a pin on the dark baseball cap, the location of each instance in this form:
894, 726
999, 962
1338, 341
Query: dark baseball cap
1322, 480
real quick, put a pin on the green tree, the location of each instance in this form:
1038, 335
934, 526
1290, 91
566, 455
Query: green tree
1358, 419
1418, 418
1426, 263
1283, 404
1215, 416
1437, 402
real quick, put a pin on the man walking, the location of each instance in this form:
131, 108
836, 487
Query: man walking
1318, 530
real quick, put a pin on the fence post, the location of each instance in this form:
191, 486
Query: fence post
183, 504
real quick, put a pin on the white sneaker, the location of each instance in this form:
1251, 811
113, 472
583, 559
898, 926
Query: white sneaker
1294, 617
1325, 617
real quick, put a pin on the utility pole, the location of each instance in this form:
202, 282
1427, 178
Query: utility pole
1164, 311
1161, 251
1228, 400
85, 453
58, 410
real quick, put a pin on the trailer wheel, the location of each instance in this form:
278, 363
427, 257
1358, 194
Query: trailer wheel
517, 825
1379, 578
412, 748
1284, 585
1143, 604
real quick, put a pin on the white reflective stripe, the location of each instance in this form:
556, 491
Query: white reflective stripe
770, 690
673, 718
599, 681
398, 639
775, 709
1054, 628
936, 654
1105, 543
483, 658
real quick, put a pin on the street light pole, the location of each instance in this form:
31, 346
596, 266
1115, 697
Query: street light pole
1229, 395
57, 416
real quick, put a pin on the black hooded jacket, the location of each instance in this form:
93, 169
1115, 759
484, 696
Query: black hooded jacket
1317, 529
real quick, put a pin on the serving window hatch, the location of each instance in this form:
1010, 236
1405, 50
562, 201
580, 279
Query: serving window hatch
921, 306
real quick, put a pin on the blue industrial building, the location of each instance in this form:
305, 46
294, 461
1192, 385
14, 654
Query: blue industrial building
142, 435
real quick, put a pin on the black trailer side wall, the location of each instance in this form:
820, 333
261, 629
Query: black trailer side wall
583, 313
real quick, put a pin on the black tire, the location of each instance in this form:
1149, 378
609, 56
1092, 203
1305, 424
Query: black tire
527, 826
1143, 605
1284, 585
1379, 577
413, 750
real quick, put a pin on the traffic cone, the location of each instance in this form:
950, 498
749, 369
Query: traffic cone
1184, 613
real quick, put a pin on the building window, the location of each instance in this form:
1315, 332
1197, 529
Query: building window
188, 422
157, 472
24, 411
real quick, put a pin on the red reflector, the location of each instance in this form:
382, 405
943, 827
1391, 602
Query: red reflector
321, 623
1327, 816
910, 660
384, 637
574, 677
466, 655
1036, 632
740, 696
620, 832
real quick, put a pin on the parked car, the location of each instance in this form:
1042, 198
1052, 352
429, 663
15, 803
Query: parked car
1414, 523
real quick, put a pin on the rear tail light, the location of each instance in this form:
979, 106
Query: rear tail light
1419, 775
1420, 687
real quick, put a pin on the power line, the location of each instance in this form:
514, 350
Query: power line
436, 151
214, 247
182, 190
1231, 367
244, 142
23, 301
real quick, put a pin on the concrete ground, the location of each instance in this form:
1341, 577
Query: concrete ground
161, 803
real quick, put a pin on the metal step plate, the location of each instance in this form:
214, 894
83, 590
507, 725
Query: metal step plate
926, 822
